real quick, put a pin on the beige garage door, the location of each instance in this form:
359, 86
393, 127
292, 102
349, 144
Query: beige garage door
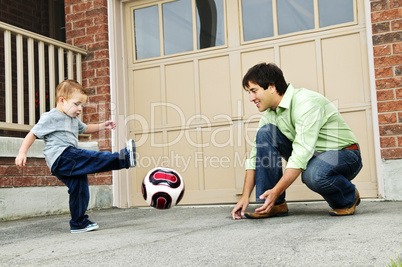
187, 108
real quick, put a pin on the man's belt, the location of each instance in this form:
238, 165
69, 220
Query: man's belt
354, 146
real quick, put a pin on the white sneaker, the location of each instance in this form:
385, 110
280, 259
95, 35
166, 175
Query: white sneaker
131, 151
90, 227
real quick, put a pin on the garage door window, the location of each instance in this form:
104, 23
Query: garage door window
182, 30
271, 18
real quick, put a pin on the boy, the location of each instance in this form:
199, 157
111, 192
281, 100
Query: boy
59, 128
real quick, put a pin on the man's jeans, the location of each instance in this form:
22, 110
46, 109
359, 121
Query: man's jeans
328, 173
72, 167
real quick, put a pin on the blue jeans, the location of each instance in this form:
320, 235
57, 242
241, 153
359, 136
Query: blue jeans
72, 167
328, 174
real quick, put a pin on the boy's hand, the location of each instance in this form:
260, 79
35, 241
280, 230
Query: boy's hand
20, 160
110, 125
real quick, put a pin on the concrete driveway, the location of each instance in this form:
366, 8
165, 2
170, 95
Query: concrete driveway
207, 236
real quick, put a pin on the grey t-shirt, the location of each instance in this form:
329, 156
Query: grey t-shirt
59, 131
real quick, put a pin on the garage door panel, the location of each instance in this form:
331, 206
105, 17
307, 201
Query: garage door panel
218, 158
301, 73
147, 98
180, 93
343, 69
215, 94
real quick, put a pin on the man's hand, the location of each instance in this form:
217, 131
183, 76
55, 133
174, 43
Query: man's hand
240, 208
270, 197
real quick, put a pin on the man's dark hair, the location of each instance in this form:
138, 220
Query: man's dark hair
265, 75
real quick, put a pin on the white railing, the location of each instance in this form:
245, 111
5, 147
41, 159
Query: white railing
18, 41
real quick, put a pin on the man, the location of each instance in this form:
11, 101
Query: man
305, 129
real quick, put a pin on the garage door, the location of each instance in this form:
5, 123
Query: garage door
187, 108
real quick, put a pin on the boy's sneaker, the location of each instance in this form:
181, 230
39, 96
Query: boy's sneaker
90, 227
131, 152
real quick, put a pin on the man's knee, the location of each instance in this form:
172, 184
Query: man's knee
266, 133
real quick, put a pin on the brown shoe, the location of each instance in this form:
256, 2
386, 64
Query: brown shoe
277, 211
349, 211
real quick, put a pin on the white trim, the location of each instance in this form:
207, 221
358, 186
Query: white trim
376, 129
112, 67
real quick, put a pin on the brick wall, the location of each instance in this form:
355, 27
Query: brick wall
386, 18
87, 28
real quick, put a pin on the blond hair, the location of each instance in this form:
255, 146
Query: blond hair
67, 88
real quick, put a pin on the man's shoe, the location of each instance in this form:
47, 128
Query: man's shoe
131, 152
349, 211
277, 211
90, 227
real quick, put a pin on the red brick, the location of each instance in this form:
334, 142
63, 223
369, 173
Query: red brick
392, 129
385, 15
396, 25
75, 17
398, 93
82, 7
388, 83
47, 181
88, 73
99, 81
387, 61
100, 98
34, 170
102, 11
87, 39
382, 50
397, 48
76, 33
384, 72
395, 3
7, 161
102, 72
389, 106
385, 95
13, 170
100, 3
400, 117
391, 37
103, 89
101, 20
103, 28
381, 27
6, 181
101, 37
387, 118
388, 142
25, 181
101, 54
400, 141
96, 64
379, 5
391, 153
83, 23
98, 46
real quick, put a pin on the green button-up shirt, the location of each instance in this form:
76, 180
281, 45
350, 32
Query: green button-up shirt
311, 122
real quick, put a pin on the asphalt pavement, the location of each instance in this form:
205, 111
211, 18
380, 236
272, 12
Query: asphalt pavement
207, 236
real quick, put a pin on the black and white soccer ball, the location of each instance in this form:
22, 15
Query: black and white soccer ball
162, 188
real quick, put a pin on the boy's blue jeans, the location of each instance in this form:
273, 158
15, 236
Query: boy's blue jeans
72, 167
328, 174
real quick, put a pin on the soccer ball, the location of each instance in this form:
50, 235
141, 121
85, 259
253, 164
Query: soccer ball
162, 188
